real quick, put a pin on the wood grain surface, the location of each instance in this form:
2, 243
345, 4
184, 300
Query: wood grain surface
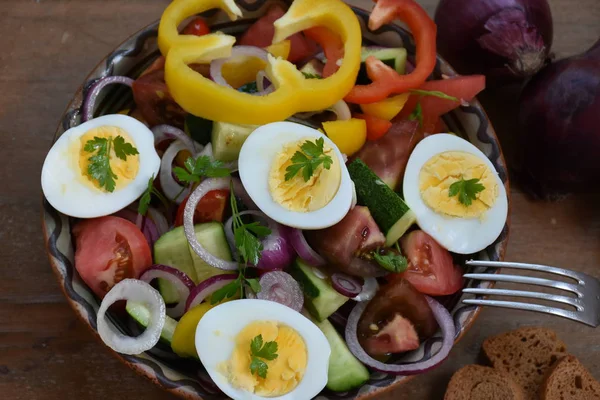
47, 47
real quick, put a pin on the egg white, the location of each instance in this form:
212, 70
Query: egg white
256, 158
62, 182
215, 342
458, 235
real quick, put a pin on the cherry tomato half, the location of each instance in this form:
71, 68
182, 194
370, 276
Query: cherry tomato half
210, 208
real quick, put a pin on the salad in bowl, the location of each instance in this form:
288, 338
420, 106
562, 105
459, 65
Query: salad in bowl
278, 208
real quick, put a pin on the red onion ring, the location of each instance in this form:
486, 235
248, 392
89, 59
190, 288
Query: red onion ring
140, 292
168, 132
188, 217
207, 288
443, 318
146, 225
342, 110
304, 250
370, 287
263, 84
162, 226
182, 283
87, 107
280, 287
172, 190
346, 285
216, 66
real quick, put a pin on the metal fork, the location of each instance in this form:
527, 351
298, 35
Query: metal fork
586, 288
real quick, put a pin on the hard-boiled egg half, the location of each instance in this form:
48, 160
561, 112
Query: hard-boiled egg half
455, 193
234, 343
118, 142
306, 201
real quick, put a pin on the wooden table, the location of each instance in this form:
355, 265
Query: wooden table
46, 49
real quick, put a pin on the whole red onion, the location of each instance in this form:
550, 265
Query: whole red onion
503, 39
559, 121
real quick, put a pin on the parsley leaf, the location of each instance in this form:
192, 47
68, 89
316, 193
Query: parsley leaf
466, 190
311, 156
226, 292
267, 351
254, 285
203, 166
417, 115
433, 93
311, 76
250, 87
146, 197
99, 166
391, 261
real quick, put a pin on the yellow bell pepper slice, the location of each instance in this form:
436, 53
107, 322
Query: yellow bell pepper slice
349, 136
388, 108
294, 93
243, 69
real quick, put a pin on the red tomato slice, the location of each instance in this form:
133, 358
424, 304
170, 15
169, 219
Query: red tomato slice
462, 87
197, 27
210, 208
108, 250
154, 101
431, 269
260, 34
376, 127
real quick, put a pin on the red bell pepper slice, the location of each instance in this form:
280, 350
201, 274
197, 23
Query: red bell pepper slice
385, 80
376, 127
332, 46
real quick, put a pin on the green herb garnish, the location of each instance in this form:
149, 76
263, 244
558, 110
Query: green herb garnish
312, 155
249, 248
311, 76
201, 167
267, 351
466, 190
147, 196
433, 93
391, 261
99, 167
417, 115
249, 88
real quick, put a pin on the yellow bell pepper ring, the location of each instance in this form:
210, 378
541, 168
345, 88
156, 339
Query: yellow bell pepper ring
387, 108
294, 93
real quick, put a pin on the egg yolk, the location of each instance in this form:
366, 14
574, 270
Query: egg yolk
125, 170
284, 372
297, 194
442, 170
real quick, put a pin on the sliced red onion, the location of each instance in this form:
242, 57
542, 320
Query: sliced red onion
168, 132
370, 287
443, 318
146, 225
280, 287
216, 66
87, 108
346, 285
342, 110
182, 283
207, 288
188, 217
162, 226
263, 84
303, 249
140, 292
172, 190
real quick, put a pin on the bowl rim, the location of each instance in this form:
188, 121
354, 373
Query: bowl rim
178, 390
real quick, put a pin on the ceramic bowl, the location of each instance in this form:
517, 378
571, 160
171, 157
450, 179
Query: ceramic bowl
187, 378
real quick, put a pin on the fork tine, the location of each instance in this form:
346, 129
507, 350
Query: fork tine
530, 307
532, 267
532, 295
526, 280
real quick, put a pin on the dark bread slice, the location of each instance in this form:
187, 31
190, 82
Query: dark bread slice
475, 382
569, 379
525, 354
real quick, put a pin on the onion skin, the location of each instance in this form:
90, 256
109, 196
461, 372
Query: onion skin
559, 122
503, 39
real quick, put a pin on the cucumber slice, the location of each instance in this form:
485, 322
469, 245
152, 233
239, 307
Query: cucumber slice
320, 299
387, 208
141, 314
393, 57
211, 236
198, 128
345, 371
227, 139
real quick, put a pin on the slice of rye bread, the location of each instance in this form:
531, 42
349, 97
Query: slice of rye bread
525, 354
475, 382
568, 379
